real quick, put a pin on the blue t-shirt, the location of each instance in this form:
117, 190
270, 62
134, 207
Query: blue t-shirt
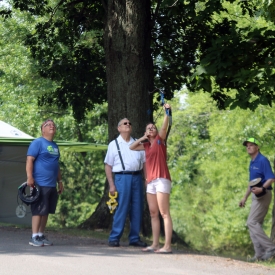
45, 166
260, 168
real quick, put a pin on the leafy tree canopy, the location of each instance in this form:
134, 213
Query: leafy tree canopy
202, 44
5, 11
241, 59
20, 85
67, 44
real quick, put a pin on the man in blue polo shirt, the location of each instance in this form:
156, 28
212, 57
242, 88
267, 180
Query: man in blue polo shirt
261, 177
42, 167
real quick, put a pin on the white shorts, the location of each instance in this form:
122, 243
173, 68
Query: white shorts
159, 185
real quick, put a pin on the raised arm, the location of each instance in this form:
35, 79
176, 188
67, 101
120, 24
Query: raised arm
163, 129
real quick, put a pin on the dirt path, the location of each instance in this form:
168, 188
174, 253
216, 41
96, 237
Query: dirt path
72, 255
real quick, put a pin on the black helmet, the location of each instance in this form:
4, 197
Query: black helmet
28, 199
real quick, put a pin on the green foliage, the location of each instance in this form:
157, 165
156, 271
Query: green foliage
67, 46
20, 86
5, 13
214, 45
185, 36
84, 181
268, 9
83, 173
240, 59
20, 82
209, 168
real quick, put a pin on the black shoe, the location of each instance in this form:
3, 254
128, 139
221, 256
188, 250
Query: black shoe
139, 244
114, 243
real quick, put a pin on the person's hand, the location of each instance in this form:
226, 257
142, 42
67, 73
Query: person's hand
30, 182
146, 135
146, 182
166, 106
242, 203
112, 190
60, 187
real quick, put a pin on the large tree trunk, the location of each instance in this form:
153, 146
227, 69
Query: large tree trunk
129, 68
129, 63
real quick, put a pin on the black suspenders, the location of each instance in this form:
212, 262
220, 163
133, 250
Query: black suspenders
122, 163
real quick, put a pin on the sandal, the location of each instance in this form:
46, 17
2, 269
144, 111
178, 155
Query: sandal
149, 249
163, 251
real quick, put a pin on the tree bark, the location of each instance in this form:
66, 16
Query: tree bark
129, 65
129, 72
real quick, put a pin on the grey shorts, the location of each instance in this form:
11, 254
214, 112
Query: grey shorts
46, 203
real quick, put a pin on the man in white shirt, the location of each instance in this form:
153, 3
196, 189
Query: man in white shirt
127, 181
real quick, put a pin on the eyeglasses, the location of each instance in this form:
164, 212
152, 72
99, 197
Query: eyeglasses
126, 123
49, 124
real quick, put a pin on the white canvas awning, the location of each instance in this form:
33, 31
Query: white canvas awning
9, 131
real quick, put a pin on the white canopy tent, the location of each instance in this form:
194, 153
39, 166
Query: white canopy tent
13, 149
12, 174
9, 131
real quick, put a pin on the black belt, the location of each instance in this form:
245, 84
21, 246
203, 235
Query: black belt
128, 173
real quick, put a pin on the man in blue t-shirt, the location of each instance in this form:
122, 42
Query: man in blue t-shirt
260, 179
42, 168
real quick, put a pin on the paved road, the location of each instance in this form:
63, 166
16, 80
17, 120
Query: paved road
78, 255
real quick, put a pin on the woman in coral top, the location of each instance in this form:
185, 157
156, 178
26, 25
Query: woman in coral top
158, 181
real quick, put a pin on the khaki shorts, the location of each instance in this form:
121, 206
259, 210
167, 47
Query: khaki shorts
159, 185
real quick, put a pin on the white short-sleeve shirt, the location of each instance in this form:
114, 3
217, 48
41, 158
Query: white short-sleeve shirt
133, 160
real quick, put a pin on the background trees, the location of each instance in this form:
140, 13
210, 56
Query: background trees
65, 48
209, 168
20, 87
210, 45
